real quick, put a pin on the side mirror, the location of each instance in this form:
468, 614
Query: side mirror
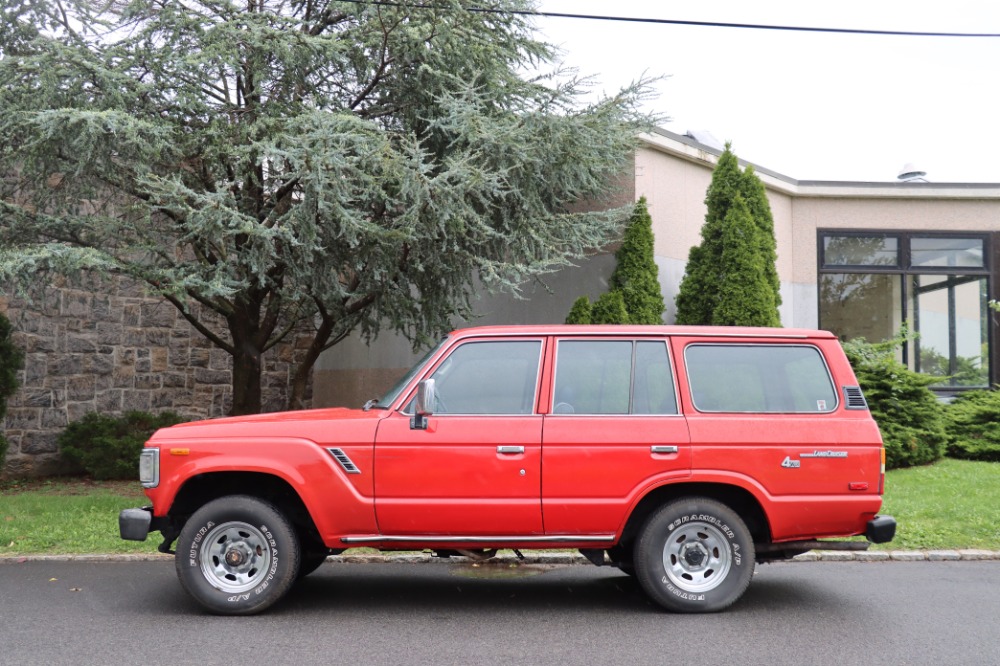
423, 406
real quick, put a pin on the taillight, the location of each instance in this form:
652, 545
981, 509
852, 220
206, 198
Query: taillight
881, 477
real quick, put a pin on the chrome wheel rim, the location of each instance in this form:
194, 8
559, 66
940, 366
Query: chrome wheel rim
236, 557
697, 557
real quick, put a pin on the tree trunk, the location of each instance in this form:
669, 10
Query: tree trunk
297, 391
246, 382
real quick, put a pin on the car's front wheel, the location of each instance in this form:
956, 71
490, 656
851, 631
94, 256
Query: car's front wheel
237, 555
694, 555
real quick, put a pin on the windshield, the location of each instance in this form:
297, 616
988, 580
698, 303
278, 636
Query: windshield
394, 392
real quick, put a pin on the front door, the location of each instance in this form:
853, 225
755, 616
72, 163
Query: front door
476, 469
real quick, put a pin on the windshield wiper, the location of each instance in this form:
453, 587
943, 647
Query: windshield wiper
371, 403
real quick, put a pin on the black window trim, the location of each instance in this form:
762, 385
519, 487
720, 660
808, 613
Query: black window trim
990, 270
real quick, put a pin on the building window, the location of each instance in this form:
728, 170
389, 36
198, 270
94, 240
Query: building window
938, 284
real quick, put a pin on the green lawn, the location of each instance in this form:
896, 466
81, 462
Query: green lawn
59, 517
952, 504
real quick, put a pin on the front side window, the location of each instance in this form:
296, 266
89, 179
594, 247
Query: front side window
759, 379
613, 377
489, 377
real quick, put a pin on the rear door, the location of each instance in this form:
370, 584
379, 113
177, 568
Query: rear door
613, 431
772, 413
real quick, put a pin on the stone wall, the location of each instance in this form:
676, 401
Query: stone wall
109, 349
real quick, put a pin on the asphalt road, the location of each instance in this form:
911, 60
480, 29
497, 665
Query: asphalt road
115, 613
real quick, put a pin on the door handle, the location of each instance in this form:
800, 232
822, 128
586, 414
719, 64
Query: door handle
510, 449
663, 449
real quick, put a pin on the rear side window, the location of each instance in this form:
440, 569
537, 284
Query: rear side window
613, 377
759, 378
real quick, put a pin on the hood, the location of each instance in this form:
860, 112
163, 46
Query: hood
318, 425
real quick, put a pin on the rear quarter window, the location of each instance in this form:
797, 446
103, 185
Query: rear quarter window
770, 379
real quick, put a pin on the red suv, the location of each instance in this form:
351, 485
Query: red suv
682, 455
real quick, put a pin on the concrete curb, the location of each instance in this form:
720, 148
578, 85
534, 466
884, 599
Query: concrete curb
552, 558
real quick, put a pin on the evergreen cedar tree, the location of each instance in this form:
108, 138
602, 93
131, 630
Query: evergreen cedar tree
731, 278
635, 296
304, 171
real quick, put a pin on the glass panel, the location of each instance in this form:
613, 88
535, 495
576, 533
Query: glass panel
861, 305
593, 377
950, 319
488, 378
653, 392
860, 251
959, 252
759, 378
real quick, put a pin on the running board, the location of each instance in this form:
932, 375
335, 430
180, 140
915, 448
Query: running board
436, 538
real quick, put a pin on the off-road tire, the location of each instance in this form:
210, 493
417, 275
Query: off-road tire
237, 555
694, 555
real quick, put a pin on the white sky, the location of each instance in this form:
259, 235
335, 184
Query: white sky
810, 106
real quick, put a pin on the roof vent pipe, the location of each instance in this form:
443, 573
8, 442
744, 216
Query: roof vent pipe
911, 173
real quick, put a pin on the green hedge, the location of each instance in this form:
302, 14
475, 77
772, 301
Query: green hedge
911, 418
108, 447
973, 421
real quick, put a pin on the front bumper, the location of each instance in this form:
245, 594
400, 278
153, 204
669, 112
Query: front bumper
136, 524
881, 529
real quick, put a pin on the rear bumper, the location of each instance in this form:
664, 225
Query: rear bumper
881, 529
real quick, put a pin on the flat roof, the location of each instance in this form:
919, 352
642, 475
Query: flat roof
692, 150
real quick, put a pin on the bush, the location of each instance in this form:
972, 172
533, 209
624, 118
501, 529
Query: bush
580, 312
609, 309
908, 413
108, 447
11, 362
636, 273
973, 420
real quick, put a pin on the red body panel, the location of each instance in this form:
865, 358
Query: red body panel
546, 479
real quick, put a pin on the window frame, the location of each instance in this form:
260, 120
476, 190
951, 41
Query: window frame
907, 271
406, 405
816, 348
634, 340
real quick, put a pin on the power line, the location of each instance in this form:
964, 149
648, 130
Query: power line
703, 24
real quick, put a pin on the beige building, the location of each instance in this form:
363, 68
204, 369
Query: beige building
856, 258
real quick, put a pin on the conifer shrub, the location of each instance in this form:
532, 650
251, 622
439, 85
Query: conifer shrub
580, 312
911, 418
11, 362
635, 280
712, 281
745, 296
636, 275
609, 309
973, 423
108, 447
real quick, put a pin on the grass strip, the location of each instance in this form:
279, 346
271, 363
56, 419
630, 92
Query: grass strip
952, 504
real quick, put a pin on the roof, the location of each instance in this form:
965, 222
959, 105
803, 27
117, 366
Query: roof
635, 330
689, 148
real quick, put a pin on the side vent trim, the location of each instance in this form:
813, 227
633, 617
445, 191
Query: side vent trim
854, 398
344, 460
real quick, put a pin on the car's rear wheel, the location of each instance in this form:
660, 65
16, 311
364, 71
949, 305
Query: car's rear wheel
694, 555
237, 555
